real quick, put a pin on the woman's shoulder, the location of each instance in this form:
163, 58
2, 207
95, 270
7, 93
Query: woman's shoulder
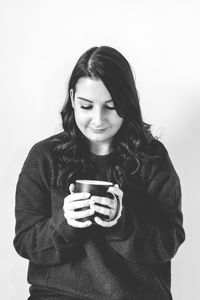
158, 158
47, 144
156, 148
41, 153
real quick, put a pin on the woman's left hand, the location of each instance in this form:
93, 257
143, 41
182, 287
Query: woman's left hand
114, 207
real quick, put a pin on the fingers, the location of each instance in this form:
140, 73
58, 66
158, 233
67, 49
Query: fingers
109, 207
79, 204
103, 201
105, 223
79, 224
76, 201
77, 196
71, 188
116, 190
75, 206
103, 210
75, 215
115, 210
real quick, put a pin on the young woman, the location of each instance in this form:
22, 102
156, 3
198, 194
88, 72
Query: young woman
127, 256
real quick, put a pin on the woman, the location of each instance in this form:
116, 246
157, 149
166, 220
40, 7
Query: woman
127, 256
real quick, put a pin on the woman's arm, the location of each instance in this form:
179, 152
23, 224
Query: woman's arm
154, 233
42, 233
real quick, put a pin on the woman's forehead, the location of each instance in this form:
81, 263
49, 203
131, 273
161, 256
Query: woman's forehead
92, 89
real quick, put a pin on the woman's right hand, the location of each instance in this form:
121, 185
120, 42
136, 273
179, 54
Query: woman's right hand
77, 201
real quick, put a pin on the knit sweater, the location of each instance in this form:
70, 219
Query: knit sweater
129, 261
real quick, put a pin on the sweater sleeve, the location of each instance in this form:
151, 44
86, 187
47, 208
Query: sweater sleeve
154, 233
43, 235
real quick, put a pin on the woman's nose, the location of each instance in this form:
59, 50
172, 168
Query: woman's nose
98, 118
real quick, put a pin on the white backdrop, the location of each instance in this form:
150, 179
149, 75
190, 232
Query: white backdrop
40, 41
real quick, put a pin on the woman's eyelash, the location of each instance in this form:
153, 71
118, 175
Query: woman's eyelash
85, 107
89, 107
110, 107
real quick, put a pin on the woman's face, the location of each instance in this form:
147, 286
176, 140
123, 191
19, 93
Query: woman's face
95, 114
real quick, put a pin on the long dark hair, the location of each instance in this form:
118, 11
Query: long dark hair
71, 149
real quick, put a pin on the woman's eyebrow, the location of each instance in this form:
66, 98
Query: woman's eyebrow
81, 98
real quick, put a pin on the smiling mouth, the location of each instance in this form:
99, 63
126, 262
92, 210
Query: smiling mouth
98, 130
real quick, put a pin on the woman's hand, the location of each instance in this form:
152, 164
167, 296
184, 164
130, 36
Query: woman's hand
114, 207
78, 201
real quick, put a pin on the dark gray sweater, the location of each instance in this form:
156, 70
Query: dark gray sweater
130, 261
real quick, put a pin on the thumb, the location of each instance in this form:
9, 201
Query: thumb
71, 188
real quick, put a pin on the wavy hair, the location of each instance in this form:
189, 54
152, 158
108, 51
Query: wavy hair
71, 148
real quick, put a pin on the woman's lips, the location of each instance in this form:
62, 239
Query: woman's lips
98, 130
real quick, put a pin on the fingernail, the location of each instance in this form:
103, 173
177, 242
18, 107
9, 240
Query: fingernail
89, 223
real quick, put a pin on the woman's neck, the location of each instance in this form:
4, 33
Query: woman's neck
100, 149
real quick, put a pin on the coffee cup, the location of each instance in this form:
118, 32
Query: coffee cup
95, 188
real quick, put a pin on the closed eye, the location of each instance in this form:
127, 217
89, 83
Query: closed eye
86, 107
90, 106
109, 107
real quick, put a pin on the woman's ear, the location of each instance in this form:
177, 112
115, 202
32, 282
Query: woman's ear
71, 93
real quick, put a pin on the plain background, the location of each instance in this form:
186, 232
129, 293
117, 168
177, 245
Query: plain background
40, 41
